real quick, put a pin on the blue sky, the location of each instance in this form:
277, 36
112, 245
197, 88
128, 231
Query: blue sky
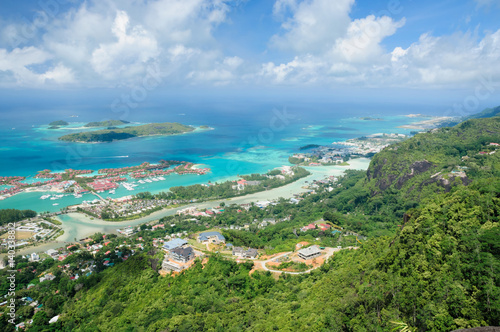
433, 47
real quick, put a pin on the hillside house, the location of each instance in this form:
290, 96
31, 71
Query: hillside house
249, 253
211, 237
309, 253
183, 255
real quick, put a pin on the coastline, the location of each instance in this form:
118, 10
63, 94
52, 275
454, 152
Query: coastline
426, 124
78, 225
195, 129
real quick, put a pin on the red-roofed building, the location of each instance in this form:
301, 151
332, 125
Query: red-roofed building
324, 227
106, 243
102, 185
158, 226
308, 227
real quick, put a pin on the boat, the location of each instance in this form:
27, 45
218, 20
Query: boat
45, 197
55, 204
141, 182
112, 191
148, 180
161, 178
53, 197
154, 179
127, 186
78, 196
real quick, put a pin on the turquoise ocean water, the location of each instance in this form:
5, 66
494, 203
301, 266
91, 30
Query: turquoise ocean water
254, 140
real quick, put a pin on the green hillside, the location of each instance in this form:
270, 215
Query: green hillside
109, 135
487, 113
431, 261
438, 273
435, 161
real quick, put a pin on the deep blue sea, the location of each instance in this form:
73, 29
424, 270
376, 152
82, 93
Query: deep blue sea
247, 137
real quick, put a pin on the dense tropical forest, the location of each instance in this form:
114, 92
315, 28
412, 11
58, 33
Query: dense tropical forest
429, 207
106, 123
112, 134
14, 215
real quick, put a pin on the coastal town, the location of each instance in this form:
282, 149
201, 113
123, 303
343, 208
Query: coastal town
338, 153
56, 185
176, 244
249, 233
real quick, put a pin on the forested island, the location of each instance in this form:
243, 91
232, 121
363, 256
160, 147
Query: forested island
428, 205
107, 123
109, 135
57, 124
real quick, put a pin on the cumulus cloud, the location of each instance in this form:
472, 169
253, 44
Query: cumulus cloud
363, 37
314, 25
17, 66
456, 59
108, 43
126, 56
329, 45
353, 52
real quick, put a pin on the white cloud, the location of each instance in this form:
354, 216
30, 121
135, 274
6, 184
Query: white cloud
314, 25
110, 43
19, 62
354, 54
219, 73
128, 55
58, 74
329, 46
106, 43
281, 6
362, 40
448, 60
233, 62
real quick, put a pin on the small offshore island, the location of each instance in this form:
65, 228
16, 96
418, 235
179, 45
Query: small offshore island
106, 123
113, 133
57, 124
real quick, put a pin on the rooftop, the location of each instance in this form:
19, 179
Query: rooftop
175, 243
312, 250
206, 235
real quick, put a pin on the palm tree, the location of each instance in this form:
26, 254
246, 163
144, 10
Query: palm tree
401, 327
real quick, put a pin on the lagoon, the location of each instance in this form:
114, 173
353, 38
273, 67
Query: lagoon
77, 226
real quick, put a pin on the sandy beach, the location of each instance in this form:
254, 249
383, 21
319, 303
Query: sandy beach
427, 124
